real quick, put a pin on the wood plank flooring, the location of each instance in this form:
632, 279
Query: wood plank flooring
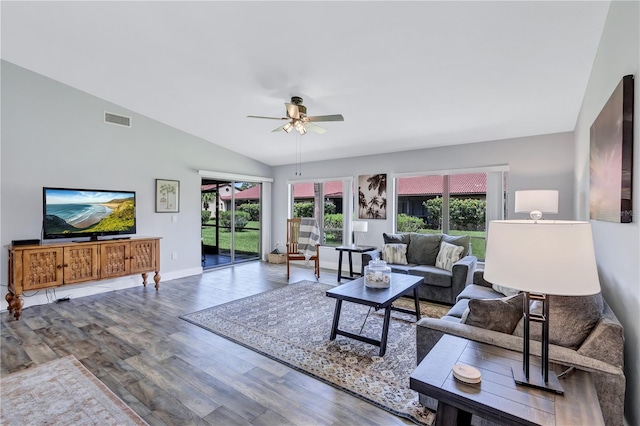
172, 372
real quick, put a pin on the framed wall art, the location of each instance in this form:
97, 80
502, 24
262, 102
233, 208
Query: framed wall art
372, 196
611, 157
167, 196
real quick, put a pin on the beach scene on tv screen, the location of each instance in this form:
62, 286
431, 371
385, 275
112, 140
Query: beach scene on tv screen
72, 212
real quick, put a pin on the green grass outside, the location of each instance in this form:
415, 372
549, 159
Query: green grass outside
246, 241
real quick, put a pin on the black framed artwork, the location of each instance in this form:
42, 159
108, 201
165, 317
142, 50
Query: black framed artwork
372, 196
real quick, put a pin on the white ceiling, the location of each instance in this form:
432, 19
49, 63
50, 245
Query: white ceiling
405, 75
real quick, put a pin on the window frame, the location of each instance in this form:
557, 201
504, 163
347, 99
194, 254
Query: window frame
347, 203
495, 192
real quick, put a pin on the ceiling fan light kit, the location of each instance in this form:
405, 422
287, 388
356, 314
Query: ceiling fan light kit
297, 113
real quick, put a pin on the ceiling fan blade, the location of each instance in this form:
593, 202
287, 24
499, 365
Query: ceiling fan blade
268, 118
315, 128
279, 129
334, 117
292, 110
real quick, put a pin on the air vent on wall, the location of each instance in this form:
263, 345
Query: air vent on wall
120, 120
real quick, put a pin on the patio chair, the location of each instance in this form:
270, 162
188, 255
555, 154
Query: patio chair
303, 242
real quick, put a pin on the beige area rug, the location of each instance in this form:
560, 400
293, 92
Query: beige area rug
292, 325
61, 392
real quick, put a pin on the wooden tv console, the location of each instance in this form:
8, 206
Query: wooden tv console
50, 265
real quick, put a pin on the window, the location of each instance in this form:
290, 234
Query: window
324, 201
454, 204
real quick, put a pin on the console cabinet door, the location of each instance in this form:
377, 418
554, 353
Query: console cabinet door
42, 268
114, 259
80, 263
143, 256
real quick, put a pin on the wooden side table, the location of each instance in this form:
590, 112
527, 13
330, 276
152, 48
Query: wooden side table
497, 397
350, 250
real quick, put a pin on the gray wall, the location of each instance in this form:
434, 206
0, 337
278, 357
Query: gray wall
538, 162
617, 245
54, 135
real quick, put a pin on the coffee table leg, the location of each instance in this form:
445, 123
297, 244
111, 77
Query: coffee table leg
336, 319
417, 302
385, 331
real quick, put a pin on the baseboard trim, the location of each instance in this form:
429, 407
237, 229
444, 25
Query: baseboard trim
36, 298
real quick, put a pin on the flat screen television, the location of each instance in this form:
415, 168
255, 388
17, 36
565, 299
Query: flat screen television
70, 213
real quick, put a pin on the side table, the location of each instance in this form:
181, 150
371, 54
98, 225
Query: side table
350, 250
497, 398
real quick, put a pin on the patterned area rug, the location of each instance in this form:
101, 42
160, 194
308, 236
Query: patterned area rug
61, 392
292, 325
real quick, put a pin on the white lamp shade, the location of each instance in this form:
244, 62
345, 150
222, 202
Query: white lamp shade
360, 226
542, 200
547, 257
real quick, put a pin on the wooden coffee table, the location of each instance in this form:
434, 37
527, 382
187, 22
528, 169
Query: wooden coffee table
356, 292
497, 397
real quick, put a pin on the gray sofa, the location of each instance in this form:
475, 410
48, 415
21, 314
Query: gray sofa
440, 285
584, 333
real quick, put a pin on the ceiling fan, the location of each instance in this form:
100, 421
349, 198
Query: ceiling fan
297, 118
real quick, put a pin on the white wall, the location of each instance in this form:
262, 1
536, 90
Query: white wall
54, 135
617, 245
538, 162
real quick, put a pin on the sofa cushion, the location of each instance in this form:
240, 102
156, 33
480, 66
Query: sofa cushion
396, 238
571, 319
401, 269
507, 291
500, 315
474, 291
463, 241
458, 309
448, 255
423, 248
432, 275
395, 253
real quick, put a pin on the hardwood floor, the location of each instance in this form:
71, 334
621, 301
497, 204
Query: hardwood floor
172, 372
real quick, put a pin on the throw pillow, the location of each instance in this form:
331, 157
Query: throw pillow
395, 253
448, 255
494, 314
571, 319
507, 291
423, 248
459, 240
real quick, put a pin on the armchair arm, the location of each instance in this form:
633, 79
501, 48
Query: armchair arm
478, 278
462, 273
366, 256
429, 331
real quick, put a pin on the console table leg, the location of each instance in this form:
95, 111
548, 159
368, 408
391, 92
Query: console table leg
339, 265
156, 278
144, 278
15, 304
9, 298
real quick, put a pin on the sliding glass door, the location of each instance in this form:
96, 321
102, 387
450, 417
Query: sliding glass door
231, 224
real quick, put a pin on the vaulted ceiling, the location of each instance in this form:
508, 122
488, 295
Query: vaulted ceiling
405, 75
